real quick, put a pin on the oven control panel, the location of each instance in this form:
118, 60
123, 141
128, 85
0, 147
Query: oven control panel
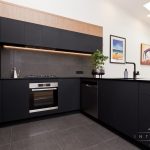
43, 85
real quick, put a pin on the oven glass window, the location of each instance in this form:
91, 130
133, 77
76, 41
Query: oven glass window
43, 99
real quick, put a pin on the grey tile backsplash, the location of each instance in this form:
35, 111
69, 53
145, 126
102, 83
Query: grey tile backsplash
42, 63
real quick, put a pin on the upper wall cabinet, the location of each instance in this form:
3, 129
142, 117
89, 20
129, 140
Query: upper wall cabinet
31, 34
78, 41
12, 31
50, 37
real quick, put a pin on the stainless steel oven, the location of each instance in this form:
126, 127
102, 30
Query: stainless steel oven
43, 96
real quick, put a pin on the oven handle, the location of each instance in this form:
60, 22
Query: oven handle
45, 89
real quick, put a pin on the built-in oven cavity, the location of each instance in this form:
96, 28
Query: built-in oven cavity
43, 96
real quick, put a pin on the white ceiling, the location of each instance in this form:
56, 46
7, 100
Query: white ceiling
135, 7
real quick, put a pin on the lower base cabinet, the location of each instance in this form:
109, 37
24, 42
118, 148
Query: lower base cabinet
69, 95
144, 113
0, 102
144, 107
15, 100
118, 105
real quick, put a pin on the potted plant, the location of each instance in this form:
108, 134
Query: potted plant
98, 60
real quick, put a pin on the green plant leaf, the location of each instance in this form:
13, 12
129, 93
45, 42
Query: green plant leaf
98, 59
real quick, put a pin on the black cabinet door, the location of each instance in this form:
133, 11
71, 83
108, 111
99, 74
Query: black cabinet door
89, 97
33, 34
15, 99
69, 40
119, 105
12, 31
144, 107
50, 37
69, 95
0, 102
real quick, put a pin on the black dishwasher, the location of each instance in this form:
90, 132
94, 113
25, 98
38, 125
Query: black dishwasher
89, 97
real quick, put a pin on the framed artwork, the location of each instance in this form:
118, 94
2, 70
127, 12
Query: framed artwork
145, 54
117, 49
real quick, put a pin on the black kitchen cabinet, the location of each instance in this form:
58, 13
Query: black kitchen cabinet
50, 37
69, 40
12, 31
69, 95
0, 102
144, 107
89, 97
15, 100
17, 32
33, 34
118, 105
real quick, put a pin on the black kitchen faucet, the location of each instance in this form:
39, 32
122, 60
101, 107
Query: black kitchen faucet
135, 73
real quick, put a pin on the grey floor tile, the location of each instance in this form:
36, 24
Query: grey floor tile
5, 135
76, 138
100, 146
103, 133
67, 122
27, 130
120, 144
114, 144
5, 147
45, 141
77, 119
68, 141
70, 132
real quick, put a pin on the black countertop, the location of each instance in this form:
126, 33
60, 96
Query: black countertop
121, 79
55, 78
40, 78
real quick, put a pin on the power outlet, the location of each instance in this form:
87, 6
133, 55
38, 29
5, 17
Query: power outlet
79, 72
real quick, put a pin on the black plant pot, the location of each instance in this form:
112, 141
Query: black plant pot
97, 73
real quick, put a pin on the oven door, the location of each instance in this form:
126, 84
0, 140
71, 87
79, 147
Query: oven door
43, 99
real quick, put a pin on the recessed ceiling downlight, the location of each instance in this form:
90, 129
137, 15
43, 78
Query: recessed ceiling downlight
147, 6
148, 15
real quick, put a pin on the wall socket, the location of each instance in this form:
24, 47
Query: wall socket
79, 72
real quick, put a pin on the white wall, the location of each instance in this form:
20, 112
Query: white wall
114, 20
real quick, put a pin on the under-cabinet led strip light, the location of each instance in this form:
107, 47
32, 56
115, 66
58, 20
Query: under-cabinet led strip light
44, 50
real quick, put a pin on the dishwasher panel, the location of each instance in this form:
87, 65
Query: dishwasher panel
89, 98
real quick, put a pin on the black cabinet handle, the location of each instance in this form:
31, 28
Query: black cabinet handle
91, 86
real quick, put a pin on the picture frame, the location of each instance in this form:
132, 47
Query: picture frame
117, 49
145, 54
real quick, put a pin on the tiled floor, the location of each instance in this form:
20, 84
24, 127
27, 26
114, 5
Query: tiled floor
70, 132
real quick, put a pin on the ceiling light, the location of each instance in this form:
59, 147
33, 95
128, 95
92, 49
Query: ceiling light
148, 15
147, 6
